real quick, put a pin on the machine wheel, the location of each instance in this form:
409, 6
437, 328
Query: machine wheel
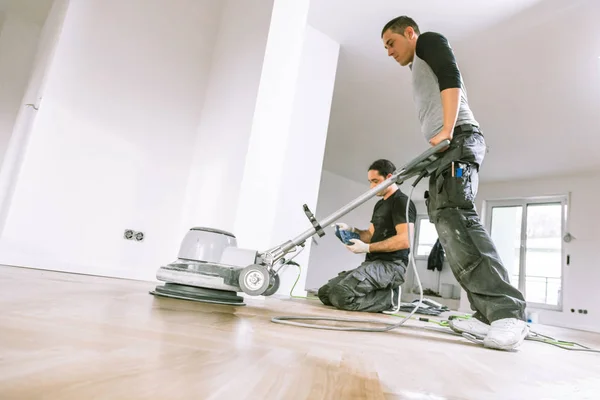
273, 286
255, 279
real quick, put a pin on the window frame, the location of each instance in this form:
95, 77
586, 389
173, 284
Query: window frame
417, 236
524, 202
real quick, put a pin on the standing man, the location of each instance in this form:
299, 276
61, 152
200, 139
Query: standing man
385, 244
443, 111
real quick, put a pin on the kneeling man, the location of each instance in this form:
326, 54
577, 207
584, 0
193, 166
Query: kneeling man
369, 286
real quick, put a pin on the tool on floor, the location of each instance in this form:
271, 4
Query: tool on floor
211, 268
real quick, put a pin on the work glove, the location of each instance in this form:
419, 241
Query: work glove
342, 226
345, 233
358, 246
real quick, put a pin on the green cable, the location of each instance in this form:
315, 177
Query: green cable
294, 286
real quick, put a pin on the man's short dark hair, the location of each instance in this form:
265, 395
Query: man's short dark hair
399, 25
384, 167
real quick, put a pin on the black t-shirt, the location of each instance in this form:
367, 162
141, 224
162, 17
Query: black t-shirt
386, 215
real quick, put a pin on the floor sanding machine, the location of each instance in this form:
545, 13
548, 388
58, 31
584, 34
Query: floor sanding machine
211, 268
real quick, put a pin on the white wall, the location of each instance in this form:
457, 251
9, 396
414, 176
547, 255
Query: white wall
147, 127
18, 44
51, 15
581, 277
111, 145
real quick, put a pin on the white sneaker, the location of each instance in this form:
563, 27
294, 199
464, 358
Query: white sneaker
472, 325
506, 334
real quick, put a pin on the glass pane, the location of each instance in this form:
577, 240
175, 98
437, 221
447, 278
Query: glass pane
427, 237
506, 235
543, 257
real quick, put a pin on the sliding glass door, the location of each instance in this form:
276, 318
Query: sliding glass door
528, 235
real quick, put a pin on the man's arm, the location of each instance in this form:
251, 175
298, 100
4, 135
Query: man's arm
450, 103
435, 50
366, 236
397, 242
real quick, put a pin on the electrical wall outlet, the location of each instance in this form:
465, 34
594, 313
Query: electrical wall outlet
130, 234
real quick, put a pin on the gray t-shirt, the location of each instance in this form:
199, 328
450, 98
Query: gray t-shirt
434, 69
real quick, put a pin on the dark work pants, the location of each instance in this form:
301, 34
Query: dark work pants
469, 249
366, 288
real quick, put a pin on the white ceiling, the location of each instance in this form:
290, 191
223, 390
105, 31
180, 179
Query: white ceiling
531, 67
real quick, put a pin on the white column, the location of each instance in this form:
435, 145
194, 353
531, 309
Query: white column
305, 150
287, 140
226, 119
271, 124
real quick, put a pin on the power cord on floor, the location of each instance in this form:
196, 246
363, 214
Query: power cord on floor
444, 324
295, 283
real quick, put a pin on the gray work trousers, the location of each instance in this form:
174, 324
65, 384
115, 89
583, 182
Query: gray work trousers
469, 249
366, 288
